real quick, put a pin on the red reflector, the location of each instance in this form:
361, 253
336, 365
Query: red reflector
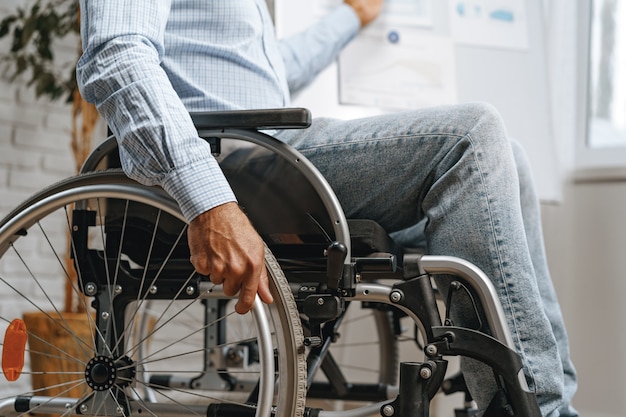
13, 350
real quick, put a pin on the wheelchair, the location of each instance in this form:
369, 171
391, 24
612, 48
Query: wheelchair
147, 335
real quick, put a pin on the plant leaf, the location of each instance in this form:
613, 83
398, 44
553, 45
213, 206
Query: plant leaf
5, 25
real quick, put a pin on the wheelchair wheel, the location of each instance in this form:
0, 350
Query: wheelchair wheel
101, 313
345, 381
378, 344
381, 341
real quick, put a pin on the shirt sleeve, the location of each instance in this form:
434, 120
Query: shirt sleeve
307, 53
120, 73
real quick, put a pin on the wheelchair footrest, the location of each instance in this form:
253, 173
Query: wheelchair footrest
504, 361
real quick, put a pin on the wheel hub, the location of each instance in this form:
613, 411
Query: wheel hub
102, 372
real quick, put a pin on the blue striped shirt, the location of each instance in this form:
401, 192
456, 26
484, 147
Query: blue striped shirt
147, 64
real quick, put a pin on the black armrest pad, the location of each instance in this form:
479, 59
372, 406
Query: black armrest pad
367, 237
292, 118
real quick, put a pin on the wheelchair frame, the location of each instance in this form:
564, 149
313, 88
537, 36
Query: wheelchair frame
322, 305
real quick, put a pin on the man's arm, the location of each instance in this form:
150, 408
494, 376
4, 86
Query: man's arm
307, 53
120, 72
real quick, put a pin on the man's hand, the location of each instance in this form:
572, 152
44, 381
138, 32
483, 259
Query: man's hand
366, 10
225, 246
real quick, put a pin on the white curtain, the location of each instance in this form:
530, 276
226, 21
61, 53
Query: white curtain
561, 20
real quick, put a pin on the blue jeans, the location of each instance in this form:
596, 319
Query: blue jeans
454, 170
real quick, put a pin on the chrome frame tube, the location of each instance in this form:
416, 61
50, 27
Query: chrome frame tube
483, 286
266, 352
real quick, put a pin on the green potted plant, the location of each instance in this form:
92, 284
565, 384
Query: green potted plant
33, 31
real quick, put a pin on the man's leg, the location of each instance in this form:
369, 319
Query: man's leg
454, 167
531, 215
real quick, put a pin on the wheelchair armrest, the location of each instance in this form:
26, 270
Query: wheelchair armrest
291, 118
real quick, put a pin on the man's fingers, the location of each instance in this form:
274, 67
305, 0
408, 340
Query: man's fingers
231, 287
246, 296
217, 280
264, 289
202, 267
245, 289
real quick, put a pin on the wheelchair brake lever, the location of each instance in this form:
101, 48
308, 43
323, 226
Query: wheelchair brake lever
335, 256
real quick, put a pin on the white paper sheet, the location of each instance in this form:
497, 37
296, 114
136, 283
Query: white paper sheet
397, 69
490, 23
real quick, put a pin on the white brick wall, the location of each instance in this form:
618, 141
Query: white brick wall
29, 145
35, 134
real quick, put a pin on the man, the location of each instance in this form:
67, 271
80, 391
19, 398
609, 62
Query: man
147, 64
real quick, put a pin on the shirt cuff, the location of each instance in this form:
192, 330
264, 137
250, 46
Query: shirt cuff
198, 187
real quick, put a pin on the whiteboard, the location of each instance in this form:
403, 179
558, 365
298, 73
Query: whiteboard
514, 80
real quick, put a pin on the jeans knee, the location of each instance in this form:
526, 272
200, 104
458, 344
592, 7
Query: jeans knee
487, 118
484, 127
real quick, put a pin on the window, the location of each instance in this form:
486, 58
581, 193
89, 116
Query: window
607, 74
603, 84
